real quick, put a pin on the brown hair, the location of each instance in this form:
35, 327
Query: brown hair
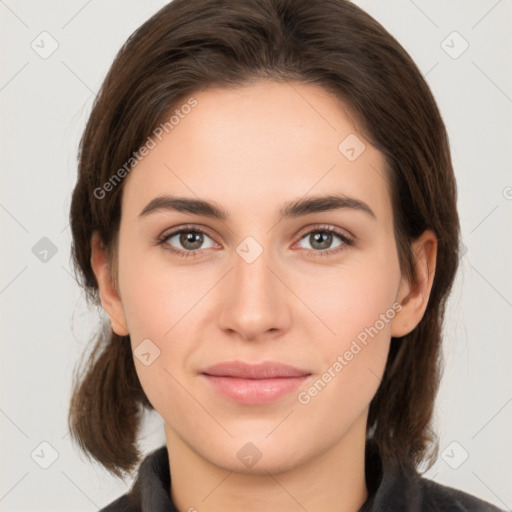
190, 45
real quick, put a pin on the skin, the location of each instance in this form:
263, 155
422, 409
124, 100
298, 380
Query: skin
251, 150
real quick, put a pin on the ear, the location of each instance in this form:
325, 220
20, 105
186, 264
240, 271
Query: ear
110, 298
414, 296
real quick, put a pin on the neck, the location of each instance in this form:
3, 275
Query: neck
333, 481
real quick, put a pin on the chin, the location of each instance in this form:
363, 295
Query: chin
257, 457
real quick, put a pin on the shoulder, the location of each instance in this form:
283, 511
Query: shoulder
121, 505
439, 497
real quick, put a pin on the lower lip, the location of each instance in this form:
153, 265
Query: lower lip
255, 391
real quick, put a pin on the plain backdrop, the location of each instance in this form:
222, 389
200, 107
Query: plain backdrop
462, 47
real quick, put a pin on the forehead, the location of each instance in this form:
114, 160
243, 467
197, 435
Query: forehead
256, 146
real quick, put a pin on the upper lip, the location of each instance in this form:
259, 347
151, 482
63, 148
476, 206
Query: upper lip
265, 370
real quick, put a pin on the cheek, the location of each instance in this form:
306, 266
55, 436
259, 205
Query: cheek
162, 304
158, 310
162, 315
354, 358
357, 307
155, 296
355, 300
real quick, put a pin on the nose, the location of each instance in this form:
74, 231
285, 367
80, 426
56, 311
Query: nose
254, 301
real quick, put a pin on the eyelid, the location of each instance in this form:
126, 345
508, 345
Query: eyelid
186, 227
326, 227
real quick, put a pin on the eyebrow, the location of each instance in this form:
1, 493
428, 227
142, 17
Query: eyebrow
297, 208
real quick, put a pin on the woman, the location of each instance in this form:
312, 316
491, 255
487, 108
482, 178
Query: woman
266, 210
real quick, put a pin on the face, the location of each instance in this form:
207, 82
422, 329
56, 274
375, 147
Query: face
316, 288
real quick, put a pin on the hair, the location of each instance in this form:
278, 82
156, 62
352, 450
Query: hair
193, 45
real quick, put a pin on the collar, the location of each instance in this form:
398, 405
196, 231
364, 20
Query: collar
390, 488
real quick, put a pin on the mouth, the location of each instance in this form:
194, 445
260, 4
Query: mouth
254, 384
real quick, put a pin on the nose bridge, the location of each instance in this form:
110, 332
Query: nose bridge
252, 277
253, 301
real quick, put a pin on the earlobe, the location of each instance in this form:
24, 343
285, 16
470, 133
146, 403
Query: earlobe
414, 296
109, 295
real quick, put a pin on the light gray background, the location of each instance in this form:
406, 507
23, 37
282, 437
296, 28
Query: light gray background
45, 323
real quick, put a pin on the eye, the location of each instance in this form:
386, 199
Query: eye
321, 238
188, 240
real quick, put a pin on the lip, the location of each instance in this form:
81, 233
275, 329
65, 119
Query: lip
265, 370
254, 384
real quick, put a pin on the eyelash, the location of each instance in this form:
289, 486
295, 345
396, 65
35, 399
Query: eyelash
347, 241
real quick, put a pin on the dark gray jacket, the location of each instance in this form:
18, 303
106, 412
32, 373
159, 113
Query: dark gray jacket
390, 490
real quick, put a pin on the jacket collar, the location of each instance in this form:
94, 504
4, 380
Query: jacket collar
390, 488
151, 490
